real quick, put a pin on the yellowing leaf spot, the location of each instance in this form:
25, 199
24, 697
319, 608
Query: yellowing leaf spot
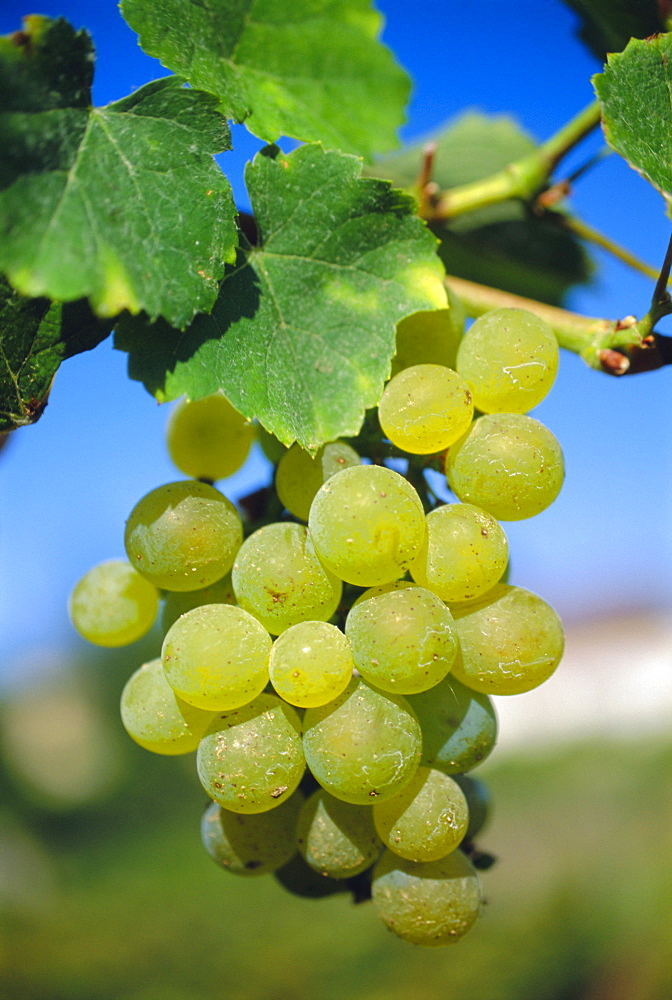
117, 292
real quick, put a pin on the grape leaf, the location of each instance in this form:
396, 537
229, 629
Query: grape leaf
37, 334
125, 204
303, 330
636, 94
309, 69
608, 25
505, 244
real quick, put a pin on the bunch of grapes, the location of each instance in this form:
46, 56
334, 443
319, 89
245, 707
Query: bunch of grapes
334, 669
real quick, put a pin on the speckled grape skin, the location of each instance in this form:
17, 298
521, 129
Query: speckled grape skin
508, 464
278, 578
178, 602
429, 903
112, 605
464, 554
299, 476
207, 438
336, 838
183, 536
367, 524
311, 664
509, 358
511, 641
459, 726
363, 746
156, 718
255, 843
251, 759
216, 657
426, 820
402, 641
425, 408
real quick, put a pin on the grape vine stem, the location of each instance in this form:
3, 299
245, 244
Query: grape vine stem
523, 178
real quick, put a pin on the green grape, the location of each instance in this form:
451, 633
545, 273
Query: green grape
183, 536
253, 843
508, 464
216, 657
178, 602
278, 578
336, 838
425, 408
464, 554
403, 640
299, 477
367, 525
429, 903
311, 664
459, 726
156, 718
251, 759
384, 588
426, 820
363, 746
207, 438
430, 338
269, 444
479, 803
112, 605
301, 880
509, 357
510, 641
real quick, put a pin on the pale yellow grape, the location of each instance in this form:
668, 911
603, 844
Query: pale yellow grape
112, 605
367, 524
207, 438
509, 357
430, 903
216, 657
183, 536
255, 843
363, 746
508, 464
278, 578
311, 664
511, 641
251, 759
464, 554
178, 602
424, 409
426, 820
336, 838
403, 640
430, 338
299, 476
156, 718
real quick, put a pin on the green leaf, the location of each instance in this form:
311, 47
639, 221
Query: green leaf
636, 94
608, 25
35, 336
304, 328
309, 69
124, 204
507, 244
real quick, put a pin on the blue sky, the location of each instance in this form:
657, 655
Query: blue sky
69, 482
